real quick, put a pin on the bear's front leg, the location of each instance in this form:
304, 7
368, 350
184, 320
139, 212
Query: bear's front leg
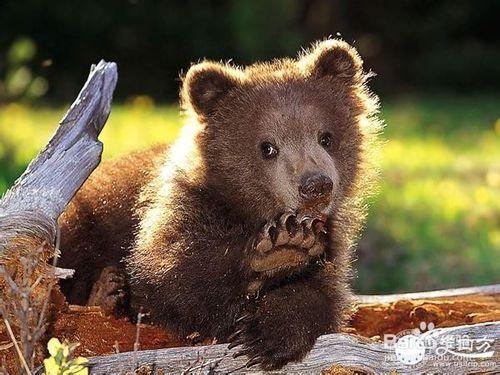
284, 323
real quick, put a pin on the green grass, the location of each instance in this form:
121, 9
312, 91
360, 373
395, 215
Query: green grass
435, 222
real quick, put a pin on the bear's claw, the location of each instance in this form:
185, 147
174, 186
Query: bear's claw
264, 241
288, 242
254, 361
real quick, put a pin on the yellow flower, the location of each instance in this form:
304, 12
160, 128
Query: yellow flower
54, 345
59, 362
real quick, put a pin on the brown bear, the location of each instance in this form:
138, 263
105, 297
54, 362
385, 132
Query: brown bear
242, 230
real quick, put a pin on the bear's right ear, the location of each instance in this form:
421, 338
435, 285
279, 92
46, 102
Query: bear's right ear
332, 57
206, 84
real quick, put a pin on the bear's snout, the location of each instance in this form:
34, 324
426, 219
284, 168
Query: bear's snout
315, 186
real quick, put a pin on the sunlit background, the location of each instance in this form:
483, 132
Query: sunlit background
435, 222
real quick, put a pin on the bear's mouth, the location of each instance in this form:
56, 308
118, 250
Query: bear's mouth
320, 207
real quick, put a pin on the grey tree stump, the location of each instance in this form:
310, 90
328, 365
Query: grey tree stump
29, 210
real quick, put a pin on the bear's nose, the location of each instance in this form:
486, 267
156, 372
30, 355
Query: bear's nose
315, 186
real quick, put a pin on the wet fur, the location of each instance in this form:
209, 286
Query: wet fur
182, 219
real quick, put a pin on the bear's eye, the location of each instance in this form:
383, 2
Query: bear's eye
269, 151
325, 140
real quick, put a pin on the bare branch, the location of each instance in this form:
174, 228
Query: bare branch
16, 345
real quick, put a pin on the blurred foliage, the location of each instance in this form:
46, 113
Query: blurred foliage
436, 220
19, 82
447, 45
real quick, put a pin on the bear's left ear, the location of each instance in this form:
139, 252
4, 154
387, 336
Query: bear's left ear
206, 84
333, 58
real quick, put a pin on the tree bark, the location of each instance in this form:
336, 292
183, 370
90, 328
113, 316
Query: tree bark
340, 349
30, 209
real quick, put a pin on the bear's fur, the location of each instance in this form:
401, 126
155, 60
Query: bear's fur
188, 220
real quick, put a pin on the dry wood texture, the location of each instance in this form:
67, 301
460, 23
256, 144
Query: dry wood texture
475, 291
30, 209
341, 349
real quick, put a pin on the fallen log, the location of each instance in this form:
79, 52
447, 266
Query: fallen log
475, 291
356, 351
349, 351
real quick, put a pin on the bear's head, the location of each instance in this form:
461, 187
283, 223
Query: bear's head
288, 134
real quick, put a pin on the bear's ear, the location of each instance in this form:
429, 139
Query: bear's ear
333, 58
206, 84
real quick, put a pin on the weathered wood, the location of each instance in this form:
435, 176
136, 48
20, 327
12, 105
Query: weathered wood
342, 349
476, 290
29, 210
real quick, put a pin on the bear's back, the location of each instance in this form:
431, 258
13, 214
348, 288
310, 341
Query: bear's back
99, 224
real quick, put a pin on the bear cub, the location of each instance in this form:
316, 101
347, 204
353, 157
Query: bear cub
243, 229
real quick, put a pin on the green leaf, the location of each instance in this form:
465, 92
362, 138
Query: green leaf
54, 345
51, 366
78, 366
